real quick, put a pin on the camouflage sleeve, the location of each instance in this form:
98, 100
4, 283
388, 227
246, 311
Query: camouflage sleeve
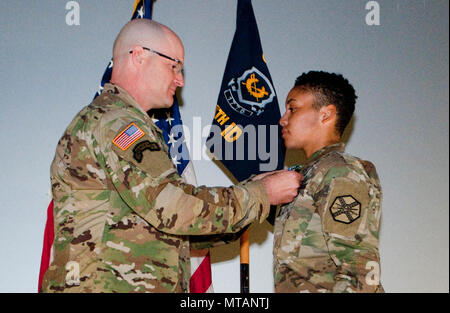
351, 219
206, 242
145, 178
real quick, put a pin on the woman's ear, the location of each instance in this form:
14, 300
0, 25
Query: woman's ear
327, 113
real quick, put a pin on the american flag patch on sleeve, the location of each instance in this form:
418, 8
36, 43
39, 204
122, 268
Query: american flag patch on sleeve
128, 136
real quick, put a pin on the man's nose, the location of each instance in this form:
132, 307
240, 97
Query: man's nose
179, 79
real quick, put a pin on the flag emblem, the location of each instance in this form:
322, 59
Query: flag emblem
128, 136
250, 93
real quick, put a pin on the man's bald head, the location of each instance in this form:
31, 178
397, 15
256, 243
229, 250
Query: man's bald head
145, 74
141, 32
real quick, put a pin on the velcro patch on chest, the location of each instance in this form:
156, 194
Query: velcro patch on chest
128, 136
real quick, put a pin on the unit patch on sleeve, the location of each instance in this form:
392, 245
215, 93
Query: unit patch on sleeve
128, 136
141, 147
345, 209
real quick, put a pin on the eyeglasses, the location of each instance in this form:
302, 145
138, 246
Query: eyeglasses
177, 68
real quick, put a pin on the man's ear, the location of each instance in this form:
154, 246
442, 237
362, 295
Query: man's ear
137, 54
327, 113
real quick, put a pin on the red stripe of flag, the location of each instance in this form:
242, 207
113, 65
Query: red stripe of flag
48, 242
201, 279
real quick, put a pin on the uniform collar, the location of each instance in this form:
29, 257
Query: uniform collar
340, 147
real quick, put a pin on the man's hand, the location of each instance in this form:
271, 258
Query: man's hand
261, 176
282, 186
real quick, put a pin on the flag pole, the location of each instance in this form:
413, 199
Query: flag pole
245, 264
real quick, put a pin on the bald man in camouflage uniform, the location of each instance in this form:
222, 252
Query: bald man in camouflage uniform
123, 215
326, 240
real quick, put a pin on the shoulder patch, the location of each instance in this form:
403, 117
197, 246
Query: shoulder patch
345, 209
141, 147
128, 136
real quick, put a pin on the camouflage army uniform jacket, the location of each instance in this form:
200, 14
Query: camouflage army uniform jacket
123, 215
326, 240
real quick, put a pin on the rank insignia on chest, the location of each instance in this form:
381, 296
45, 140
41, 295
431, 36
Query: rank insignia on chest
345, 209
128, 136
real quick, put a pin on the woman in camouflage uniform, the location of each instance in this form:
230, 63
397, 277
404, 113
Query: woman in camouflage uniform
326, 240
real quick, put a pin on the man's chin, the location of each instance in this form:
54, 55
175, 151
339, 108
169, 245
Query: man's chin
169, 102
165, 105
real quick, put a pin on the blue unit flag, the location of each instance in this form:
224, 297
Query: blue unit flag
245, 135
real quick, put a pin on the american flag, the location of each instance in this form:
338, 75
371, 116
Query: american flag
201, 280
128, 136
